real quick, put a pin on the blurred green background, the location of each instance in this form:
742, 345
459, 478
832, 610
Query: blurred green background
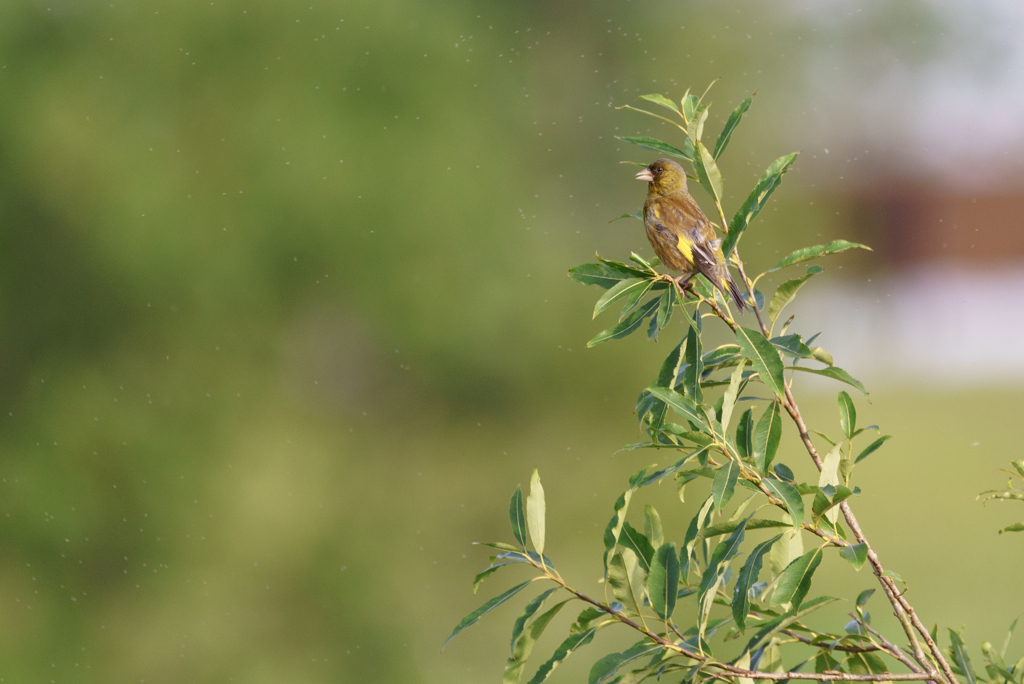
284, 318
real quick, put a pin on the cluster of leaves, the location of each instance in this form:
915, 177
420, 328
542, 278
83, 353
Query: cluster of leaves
678, 594
1011, 493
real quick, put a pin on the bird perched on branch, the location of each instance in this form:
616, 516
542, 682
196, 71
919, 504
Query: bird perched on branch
680, 233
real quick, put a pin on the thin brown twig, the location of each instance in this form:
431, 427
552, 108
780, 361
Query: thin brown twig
889, 647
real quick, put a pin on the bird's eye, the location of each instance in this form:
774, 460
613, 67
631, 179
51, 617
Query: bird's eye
658, 169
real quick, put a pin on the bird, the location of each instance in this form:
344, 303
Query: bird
680, 233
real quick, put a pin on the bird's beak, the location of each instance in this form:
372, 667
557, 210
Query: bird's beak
645, 175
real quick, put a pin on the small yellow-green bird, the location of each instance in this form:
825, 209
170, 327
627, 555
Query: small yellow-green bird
680, 233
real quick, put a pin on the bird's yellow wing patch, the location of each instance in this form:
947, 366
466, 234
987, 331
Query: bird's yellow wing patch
684, 247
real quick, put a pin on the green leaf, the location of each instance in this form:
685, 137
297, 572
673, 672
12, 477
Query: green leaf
518, 517
479, 579
790, 496
714, 571
603, 275
484, 609
962, 659
748, 575
729, 399
605, 668
663, 583
682, 405
566, 649
764, 358
697, 523
535, 512
532, 607
808, 253
865, 663
523, 647
663, 101
795, 581
724, 484
670, 366
652, 526
628, 326
756, 200
626, 579
872, 448
786, 292
633, 299
639, 214
835, 372
1015, 527
767, 436
639, 544
776, 625
623, 288
708, 174
665, 309
657, 146
694, 360
754, 524
857, 554
745, 434
734, 120
847, 415
614, 528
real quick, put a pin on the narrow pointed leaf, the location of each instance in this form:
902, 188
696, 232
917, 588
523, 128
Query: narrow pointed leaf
622, 289
663, 582
613, 530
472, 618
724, 484
639, 544
532, 607
518, 516
523, 647
663, 101
708, 174
606, 668
746, 579
764, 358
682, 405
847, 415
535, 509
671, 365
795, 581
872, 448
627, 326
694, 360
657, 146
756, 200
729, 399
961, 657
564, 650
786, 292
604, 275
856, 554
626, 579
789, 494
745, 434
835, 372
652, 526
734, 120
808, 253
767, 436
697, 523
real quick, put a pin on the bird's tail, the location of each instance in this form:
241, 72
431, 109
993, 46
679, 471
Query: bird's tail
735, 292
